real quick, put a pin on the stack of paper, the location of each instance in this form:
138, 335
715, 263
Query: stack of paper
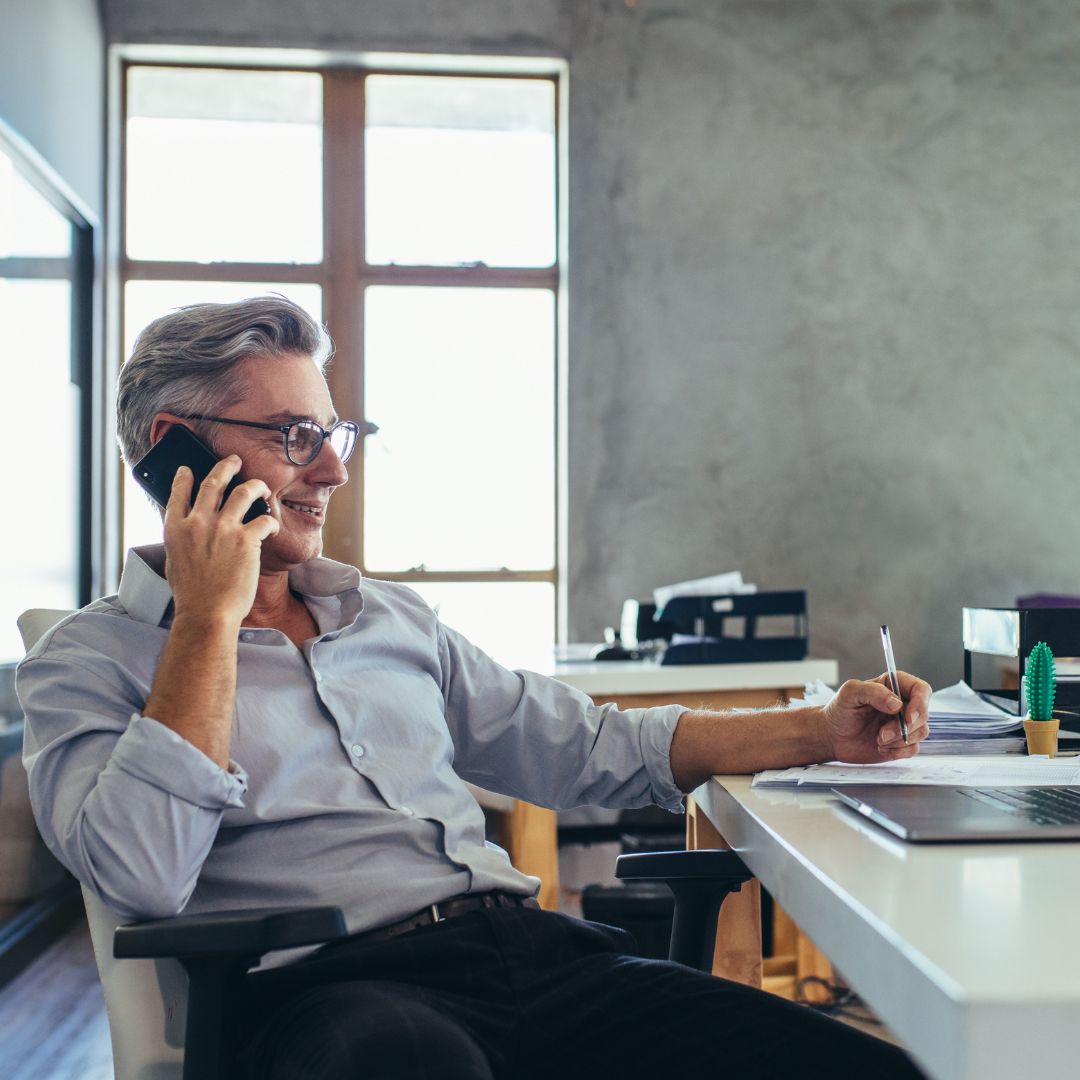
961, 721
1009, 742
964, 722
958, 710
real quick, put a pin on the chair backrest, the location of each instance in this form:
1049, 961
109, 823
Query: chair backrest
146, 999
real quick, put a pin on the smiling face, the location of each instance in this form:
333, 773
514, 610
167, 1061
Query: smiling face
281, 389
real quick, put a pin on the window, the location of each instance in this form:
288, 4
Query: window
416, 214
46, 282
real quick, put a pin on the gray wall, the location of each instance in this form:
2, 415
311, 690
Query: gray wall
824, 278
52, 87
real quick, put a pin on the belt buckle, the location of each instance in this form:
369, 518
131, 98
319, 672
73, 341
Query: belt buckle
436, 914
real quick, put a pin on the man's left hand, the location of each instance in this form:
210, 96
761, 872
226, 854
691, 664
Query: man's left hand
862, 723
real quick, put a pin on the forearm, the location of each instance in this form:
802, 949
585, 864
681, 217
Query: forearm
707, 743
141, 836
194, 690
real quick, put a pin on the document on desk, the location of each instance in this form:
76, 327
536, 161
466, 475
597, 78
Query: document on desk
955, 771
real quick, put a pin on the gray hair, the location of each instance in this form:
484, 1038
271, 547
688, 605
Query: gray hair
184, 362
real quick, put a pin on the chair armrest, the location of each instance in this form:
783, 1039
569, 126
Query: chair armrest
700, 880
718, 864
215, 951
250, 932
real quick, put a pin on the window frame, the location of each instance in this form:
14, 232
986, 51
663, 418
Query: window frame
344, 273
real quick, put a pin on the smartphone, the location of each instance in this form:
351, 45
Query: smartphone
180, 446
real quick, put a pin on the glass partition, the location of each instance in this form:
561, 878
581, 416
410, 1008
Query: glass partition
46, 285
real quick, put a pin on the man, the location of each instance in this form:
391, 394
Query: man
249, 724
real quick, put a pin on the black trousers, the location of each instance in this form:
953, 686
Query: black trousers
516, 994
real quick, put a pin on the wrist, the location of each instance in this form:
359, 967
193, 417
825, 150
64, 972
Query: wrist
821, 728
207, 623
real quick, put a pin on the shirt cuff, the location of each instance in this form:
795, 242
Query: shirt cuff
157, 755
657, 730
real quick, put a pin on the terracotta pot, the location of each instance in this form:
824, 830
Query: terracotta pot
1042, 736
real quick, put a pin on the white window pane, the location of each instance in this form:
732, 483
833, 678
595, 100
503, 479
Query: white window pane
461, 474
145, 301
29, 224
460, 170
224, 165
512, 621
142, 522
39, 561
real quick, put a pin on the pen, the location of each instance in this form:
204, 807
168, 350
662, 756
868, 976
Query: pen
894, 682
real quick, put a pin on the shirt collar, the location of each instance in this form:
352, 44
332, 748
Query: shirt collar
146, 596
324, 577
144, 592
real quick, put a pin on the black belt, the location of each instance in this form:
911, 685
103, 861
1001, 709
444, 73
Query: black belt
448, 909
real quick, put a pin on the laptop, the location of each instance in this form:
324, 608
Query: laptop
931, 813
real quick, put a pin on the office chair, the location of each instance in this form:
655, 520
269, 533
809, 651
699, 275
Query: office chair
165, 981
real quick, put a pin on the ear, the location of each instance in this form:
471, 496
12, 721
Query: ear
161, 423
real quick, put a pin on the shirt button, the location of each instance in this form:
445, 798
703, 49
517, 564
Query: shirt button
357, 750
247, 636
406, 810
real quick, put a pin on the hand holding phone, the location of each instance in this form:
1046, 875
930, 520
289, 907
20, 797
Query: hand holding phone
180, 446
213, 558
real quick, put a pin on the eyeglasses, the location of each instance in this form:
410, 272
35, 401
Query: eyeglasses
302, 439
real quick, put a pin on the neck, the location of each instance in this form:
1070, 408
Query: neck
272, 599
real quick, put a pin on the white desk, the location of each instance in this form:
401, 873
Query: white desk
613, 679
966, 951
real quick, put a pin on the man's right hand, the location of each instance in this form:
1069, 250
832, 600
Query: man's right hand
211, 556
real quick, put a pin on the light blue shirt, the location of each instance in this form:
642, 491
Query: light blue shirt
349, 756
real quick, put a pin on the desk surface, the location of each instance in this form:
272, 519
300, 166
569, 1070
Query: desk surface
964, 950
614, 677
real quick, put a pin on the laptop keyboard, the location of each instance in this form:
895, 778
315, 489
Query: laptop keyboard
1043, 806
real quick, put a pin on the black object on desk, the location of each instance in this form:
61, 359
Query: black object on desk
738, 629
1013, 632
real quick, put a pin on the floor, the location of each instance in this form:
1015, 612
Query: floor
52, 1016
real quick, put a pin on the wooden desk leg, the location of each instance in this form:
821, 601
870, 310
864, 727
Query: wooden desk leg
738, 932
794, 957
533, 845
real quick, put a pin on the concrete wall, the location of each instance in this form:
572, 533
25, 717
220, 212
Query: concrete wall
824, 290
52, 87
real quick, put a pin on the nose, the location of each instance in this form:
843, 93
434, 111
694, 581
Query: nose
327, 469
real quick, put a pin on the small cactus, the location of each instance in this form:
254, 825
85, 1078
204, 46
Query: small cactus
1041, 683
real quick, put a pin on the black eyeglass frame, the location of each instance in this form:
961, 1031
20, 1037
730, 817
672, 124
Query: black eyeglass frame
286, 428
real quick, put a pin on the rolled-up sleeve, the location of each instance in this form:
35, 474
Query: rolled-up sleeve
125, 803
526, 735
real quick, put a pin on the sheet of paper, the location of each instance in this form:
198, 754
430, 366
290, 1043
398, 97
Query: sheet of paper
960, 700
957, 771
815, 693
